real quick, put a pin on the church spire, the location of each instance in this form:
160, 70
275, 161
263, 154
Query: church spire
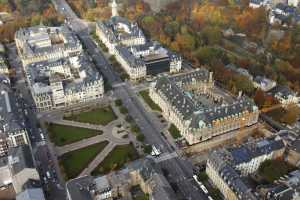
114, 8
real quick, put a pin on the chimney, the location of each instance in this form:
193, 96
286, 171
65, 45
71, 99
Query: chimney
240, 94
210, 77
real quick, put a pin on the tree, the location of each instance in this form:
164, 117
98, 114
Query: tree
212, 35
172, 28
259, 98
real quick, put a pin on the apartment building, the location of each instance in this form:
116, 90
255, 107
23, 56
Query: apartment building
226, 168
137, 56
58, 72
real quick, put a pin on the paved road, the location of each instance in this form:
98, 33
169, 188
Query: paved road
45, 159
179, 166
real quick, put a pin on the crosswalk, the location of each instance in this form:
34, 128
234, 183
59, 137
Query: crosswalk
166, 156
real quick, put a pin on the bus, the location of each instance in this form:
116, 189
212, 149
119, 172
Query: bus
155, 151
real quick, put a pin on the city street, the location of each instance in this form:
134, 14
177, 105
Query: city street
180, 168
45, 158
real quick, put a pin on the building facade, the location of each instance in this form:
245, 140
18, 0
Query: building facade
138, 57
58, 72
227, 167
144, 173
198, 109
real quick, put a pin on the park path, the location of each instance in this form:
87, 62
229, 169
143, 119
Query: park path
78, 124
107, 135
98, 159
90, 141
110, 133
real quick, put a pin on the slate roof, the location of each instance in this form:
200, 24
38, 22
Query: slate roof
31, 194
190, 109
79, 188
11, 119
20, 158
30, 35
247, 152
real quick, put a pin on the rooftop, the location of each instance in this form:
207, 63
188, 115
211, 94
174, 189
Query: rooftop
39, 40
20, 158
196, 107
80, 188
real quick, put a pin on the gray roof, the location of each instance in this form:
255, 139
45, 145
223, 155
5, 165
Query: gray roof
171, 88
283, 91
38, 75
150, 171
132, 61
30, 36
247, 152
31, 194
295, 145
79, 188
11, 119
20, 158
224, 162
230, 176
110, 27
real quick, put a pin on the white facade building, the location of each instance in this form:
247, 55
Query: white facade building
181, 99
58, 72
138, 57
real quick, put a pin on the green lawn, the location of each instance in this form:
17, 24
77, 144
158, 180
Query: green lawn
99, 116
74, 162
116, 159
174, 131
271, 170
62, 135
148, 100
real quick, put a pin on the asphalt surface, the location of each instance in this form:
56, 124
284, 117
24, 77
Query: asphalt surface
180, 170
45, 160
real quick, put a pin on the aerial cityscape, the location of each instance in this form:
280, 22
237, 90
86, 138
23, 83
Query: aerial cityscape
149, 100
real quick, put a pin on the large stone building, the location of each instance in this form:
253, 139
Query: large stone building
138, 57
58, 72
227, 168
18, 169
144, 173
199, 109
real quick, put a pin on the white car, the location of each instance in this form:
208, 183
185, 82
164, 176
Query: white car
204, 189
